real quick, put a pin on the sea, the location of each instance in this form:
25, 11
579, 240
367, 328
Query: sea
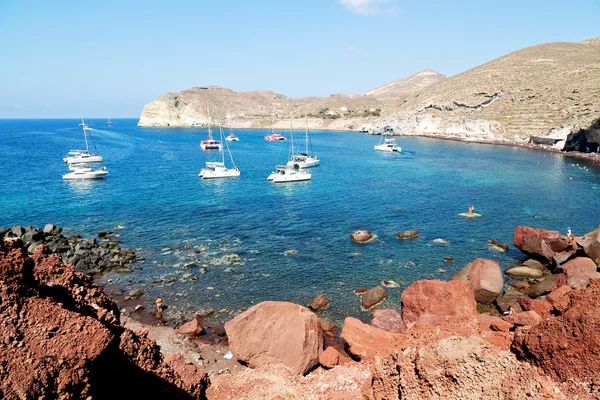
221, 246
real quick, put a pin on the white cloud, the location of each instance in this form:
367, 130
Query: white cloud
370, 7
354, 49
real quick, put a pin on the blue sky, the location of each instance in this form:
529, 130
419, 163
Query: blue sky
58, 58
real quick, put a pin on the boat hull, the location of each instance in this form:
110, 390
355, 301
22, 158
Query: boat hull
289, 177
85, 175
78, 160
219, 173
388, 148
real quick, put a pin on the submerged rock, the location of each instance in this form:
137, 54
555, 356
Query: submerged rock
390, 284
361, 291
320, 302
408, 235
373, 298
362, 236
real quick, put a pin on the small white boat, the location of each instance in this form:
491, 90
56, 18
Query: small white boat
82, 156
217, 169
232, 138
86, 173
288, 173
388, 145
109, 122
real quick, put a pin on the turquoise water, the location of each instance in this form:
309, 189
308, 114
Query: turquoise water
154, 191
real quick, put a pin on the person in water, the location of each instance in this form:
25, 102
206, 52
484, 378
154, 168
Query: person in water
471, 209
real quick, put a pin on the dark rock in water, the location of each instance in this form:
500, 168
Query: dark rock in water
361, 291
361, 236
408, 235
448, 259
320, 302
373, 298
584, 140
102, 234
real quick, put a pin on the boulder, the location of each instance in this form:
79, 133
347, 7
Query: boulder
438, 298
580, 271
191, 328
567, 347
542, 307
510, 299
366, 341
560, 298
539, 243
329, 358
374, 297
546, 285
362, 236
525, 318
388, 320
276, 332
448, 259
590, 242
327, 327
563, 257
408, 235
52, 230
320, 302
535, 264
484, 277
522, 271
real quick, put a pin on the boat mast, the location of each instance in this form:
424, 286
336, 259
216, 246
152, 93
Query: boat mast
222, 150
291, 136
306, 120
272, 117
208, 111
84, 126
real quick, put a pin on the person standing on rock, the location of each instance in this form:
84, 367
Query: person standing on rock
471, 209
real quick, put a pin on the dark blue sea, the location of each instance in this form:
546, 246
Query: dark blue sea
261, 241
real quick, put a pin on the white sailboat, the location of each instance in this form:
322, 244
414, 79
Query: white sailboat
109, 122
80, 157
388, 145
210, 143
305, 160
289, 172
217, 169
82, 172
231, 137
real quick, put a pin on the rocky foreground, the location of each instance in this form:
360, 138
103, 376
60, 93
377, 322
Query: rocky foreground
472, 337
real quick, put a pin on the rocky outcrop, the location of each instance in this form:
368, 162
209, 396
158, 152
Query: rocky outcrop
567, 346
388, 320
580, 271
590, 242
276, 332
362, 236
539, 243
484, 277
320, 302
584, 139
437, 298
374, 297
61, 337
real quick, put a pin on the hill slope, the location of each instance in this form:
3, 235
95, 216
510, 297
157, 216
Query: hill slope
404, 86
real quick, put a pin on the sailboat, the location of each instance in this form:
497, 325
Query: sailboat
210, 143
76, 157
231, 137
274, 136
387, 144
217, 169
109, 122
305, 160
289, 172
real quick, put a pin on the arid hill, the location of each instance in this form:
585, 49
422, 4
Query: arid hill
546, 89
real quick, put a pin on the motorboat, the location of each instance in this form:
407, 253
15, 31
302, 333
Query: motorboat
210, 143
232, 138
388, 145
217, 169
274, 137
288, 173
83, 156
86, 173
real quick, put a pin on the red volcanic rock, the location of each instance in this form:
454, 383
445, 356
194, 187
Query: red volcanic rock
580, 271
327, 327
320, 302
329, 358
440, 298
61, 337
388, 320
542, 307
484, 277
494, 323
456, 368
591, 244
496, 331
191, 328
408, 235
525, 318
276, 332
567, 346
560, 298
374, 297
521, 286
546, 285
366, 341
539, 243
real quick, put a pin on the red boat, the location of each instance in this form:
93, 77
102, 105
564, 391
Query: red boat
274, 137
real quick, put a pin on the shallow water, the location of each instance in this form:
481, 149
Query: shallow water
154, 191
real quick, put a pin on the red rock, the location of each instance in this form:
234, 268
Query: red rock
539, 242
567, 346
580, 271
327, 328
591, 244
560, 298
362, 236
542, 307
484, 277
320, 302
522, 286
276, 332
525, 318
545, 286
329, 358
373, 298
501, 326
366, 341
407, 235
388, 320
191, 328
440, 298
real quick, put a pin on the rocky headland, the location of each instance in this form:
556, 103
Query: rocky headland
480, 335
546, 94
